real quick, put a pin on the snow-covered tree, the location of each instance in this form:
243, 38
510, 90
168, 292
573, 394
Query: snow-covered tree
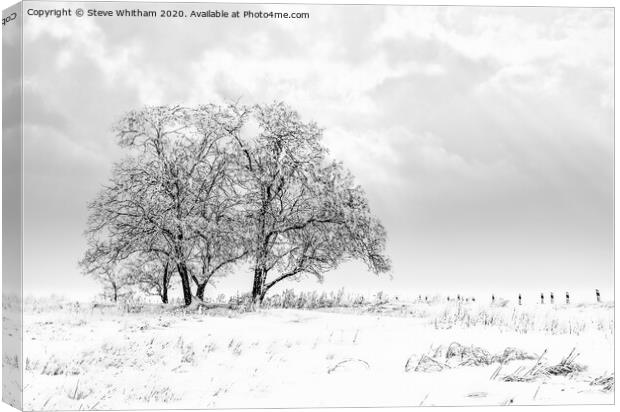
159, 198
204, 188
152, 273
115, 280
305, 214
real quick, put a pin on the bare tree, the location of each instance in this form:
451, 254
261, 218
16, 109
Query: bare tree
120, 225
208, 187
152, 274
157, 199
116, 282
220, 240
214, 257
304, 214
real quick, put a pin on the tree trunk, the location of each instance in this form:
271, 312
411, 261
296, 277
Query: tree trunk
115, 289
266, 286
164, 295
258, 292
262, 295
200, 290
164, 285
187, 291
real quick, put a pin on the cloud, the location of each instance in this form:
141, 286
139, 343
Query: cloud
483, 136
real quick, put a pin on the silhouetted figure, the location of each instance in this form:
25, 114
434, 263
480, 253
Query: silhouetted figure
492, 298
567, 298
473, 299
425, 298
458, 297
598, 296
448, 298
519, 299
551, 298
542, 298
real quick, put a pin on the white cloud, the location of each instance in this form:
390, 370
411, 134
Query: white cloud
467, 124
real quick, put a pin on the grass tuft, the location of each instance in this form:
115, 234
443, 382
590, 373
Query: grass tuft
606, 382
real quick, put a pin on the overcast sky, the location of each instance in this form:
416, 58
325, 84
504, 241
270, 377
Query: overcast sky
483, 136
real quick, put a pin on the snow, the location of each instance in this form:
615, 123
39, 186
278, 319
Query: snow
106, 358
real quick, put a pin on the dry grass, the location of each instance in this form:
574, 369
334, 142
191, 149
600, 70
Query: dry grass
169, 340
425, 364
606, 382
456, 355
442, 314
566, 367
346, 362
553, 320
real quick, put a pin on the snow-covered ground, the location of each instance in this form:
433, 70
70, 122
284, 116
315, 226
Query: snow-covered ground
399, 354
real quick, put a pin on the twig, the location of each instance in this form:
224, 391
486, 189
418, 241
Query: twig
494, 375
536, 393
347, 361
424, 400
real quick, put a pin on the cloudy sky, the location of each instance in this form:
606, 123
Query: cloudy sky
483, 136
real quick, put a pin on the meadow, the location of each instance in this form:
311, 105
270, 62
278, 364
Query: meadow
310, 350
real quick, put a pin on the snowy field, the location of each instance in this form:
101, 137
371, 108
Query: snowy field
83, 356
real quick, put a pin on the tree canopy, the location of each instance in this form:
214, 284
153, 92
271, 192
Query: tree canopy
205, 188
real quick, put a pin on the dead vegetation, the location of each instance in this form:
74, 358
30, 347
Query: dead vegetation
606, 382
566, 367
425, 364
348, 362
210, 344
456, 355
